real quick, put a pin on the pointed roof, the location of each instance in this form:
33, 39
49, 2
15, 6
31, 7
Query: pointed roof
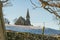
27, 16
21, 18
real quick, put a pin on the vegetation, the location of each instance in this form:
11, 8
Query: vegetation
12, 35
6, 21
52, 6
2, 28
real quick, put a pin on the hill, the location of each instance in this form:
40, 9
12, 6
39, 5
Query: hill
31, 29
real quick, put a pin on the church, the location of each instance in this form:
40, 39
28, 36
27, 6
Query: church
23, 21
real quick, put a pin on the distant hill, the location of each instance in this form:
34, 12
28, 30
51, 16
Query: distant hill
31, 30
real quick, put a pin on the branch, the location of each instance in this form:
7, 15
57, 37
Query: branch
4, 1
34, 4
48, 10
44, 4
55, 13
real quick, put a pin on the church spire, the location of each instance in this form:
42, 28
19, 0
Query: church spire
28, 16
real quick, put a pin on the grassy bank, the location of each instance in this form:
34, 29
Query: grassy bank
12, 35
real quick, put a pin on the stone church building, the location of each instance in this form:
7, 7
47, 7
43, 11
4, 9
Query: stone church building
23, 21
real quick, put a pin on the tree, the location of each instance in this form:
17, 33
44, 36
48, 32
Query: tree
6, 21
49, 5
2, 25
52, 6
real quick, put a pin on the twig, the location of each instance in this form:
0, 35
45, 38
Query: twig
34, 5
54, 12
4, 1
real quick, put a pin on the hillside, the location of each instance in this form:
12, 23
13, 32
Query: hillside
31, 29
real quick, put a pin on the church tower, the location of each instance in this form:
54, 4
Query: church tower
28, 18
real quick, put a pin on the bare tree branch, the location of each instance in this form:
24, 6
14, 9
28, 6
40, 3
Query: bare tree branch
45, 3
4, 1
34, 4
55, 13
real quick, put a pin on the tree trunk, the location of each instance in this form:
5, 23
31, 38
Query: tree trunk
2, 26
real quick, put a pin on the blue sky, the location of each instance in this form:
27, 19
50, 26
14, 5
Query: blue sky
37, 16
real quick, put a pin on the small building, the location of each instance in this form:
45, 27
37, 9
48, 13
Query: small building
20, 21
23, 21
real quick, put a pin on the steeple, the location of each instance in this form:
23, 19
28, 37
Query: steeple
28, 16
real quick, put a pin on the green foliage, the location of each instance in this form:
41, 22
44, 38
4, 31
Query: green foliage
11, 35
